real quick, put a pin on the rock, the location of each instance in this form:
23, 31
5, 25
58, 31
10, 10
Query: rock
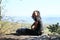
29, 37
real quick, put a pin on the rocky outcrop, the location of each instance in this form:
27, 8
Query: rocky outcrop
29, 37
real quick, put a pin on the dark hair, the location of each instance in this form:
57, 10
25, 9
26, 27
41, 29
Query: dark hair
33, 15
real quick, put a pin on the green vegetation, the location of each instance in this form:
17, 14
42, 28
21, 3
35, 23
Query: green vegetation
54, 28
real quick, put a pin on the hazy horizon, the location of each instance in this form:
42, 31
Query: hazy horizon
49, 10
25, 19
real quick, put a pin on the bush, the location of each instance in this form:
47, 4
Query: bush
54, 28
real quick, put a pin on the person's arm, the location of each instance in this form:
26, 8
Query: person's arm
32, 25
36, 24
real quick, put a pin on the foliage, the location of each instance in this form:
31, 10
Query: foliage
58, 30
54, 28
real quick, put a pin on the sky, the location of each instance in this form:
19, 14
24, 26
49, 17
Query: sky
47, 8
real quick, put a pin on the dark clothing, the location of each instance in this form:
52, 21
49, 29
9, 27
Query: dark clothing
39, 25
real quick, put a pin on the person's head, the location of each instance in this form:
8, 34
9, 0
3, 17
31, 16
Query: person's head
35, 14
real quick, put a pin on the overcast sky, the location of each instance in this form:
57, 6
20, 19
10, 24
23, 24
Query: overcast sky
47, 8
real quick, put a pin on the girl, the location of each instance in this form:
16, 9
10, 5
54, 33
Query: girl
37, 25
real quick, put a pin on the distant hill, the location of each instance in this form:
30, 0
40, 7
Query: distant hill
25, 19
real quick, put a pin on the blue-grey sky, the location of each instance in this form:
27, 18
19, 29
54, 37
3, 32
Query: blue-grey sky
47, 8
